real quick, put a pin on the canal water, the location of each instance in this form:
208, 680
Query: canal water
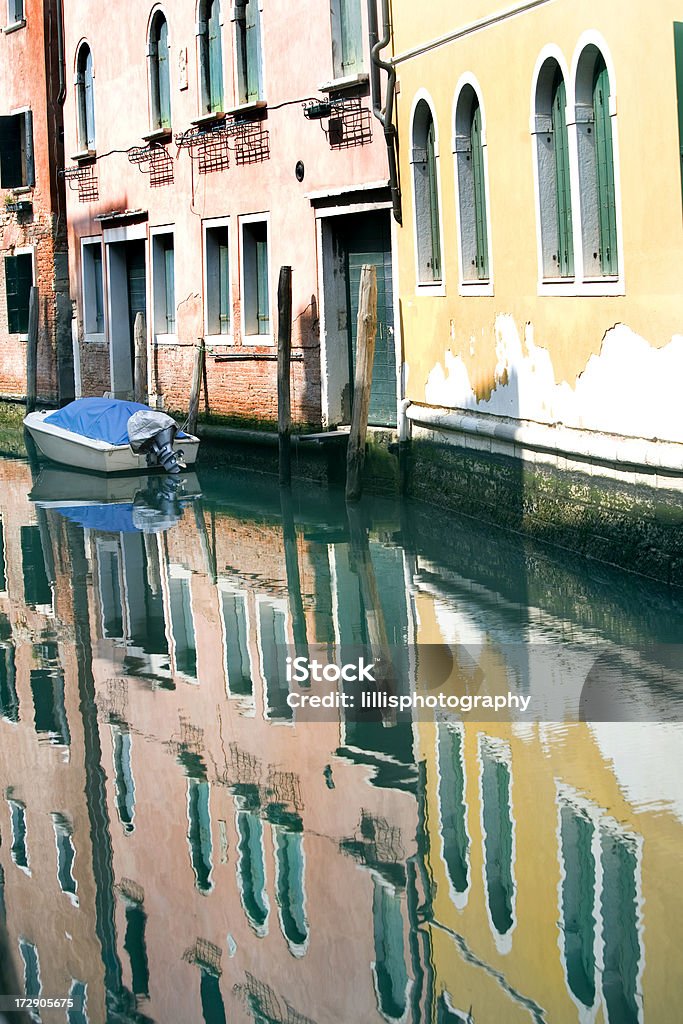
180, 844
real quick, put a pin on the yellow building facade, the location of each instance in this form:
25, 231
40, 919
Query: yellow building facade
542, 241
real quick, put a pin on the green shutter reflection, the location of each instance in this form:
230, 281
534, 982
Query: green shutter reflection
9, 701
289, 883
621, 957
251, 869
66, 855
135, 946
391, 975
497, 817
213, 1010
37, 589
18, 851
47, 687
578, 895
124, 784
452, 805
236, 645
199, 833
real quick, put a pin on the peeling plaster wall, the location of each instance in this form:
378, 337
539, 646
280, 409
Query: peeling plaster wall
628, 388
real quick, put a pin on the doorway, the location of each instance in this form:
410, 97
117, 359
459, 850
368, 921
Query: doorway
127, 297
349, 241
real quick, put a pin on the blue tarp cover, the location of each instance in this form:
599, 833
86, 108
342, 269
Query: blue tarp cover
110, 518
103, 419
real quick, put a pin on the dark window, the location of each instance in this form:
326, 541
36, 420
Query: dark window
47, 687
160, 78
84, 99
36, 584
17, 168
256, 292
18, 282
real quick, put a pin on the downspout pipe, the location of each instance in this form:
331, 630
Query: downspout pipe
385, 116
61, 95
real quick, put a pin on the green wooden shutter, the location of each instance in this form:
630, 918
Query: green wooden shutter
89, 103
18, 282
253, 50
351, 37
224, 288
169, 285
482, 256
215, 58
262, 298
97, 281
163, 76
433, 204
565, 255
678, 57
605, 171
29, 168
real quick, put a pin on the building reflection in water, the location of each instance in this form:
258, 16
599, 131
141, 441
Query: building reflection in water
180, 844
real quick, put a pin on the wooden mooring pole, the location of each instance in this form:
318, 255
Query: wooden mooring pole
284, 356
140, 372
32, 349
197, 374
365, 355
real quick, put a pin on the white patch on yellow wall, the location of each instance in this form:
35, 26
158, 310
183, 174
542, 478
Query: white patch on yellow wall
629, 388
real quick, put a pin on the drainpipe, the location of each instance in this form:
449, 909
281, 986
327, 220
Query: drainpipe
385, 116
61, 95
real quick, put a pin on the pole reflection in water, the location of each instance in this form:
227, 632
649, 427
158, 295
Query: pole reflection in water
160, 794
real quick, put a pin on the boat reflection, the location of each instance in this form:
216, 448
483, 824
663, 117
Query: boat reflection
180, 845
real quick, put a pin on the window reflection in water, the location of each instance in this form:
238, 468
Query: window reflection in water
389, 969
124, 783
455, 841
498, 830
199, 833
290, 864
251, 863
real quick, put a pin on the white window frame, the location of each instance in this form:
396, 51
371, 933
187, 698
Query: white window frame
208, 225
157, 279
470, 286
90, 241
14, 21
427, 287
179, 572
255, 339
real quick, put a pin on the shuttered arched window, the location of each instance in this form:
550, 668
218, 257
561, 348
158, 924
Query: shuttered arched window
554, 179
471, 176
425, 179
160, 77
84, 98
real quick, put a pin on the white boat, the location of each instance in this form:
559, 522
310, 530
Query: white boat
90, 434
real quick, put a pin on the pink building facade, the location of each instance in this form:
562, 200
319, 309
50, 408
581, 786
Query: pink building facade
206, 147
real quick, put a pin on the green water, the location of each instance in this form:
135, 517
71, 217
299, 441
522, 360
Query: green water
178, 843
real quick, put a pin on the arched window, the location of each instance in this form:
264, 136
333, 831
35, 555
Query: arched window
554, 184
85, 104
596, 165
211, 56
159, 72
426, 192
471, 178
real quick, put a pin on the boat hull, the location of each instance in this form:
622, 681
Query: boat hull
82, 452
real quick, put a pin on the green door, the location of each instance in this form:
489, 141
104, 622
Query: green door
367, 239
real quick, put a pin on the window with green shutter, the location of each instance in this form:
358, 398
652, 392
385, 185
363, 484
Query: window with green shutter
565, 242
18, 283
426, 193
605, 170
160, 73
256, 296
169, 285
85, 101
248, 42
17, 166
479, 189
351, 38
218, 290
215, 56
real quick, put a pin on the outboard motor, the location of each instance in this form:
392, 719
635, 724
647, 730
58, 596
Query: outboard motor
152, 433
